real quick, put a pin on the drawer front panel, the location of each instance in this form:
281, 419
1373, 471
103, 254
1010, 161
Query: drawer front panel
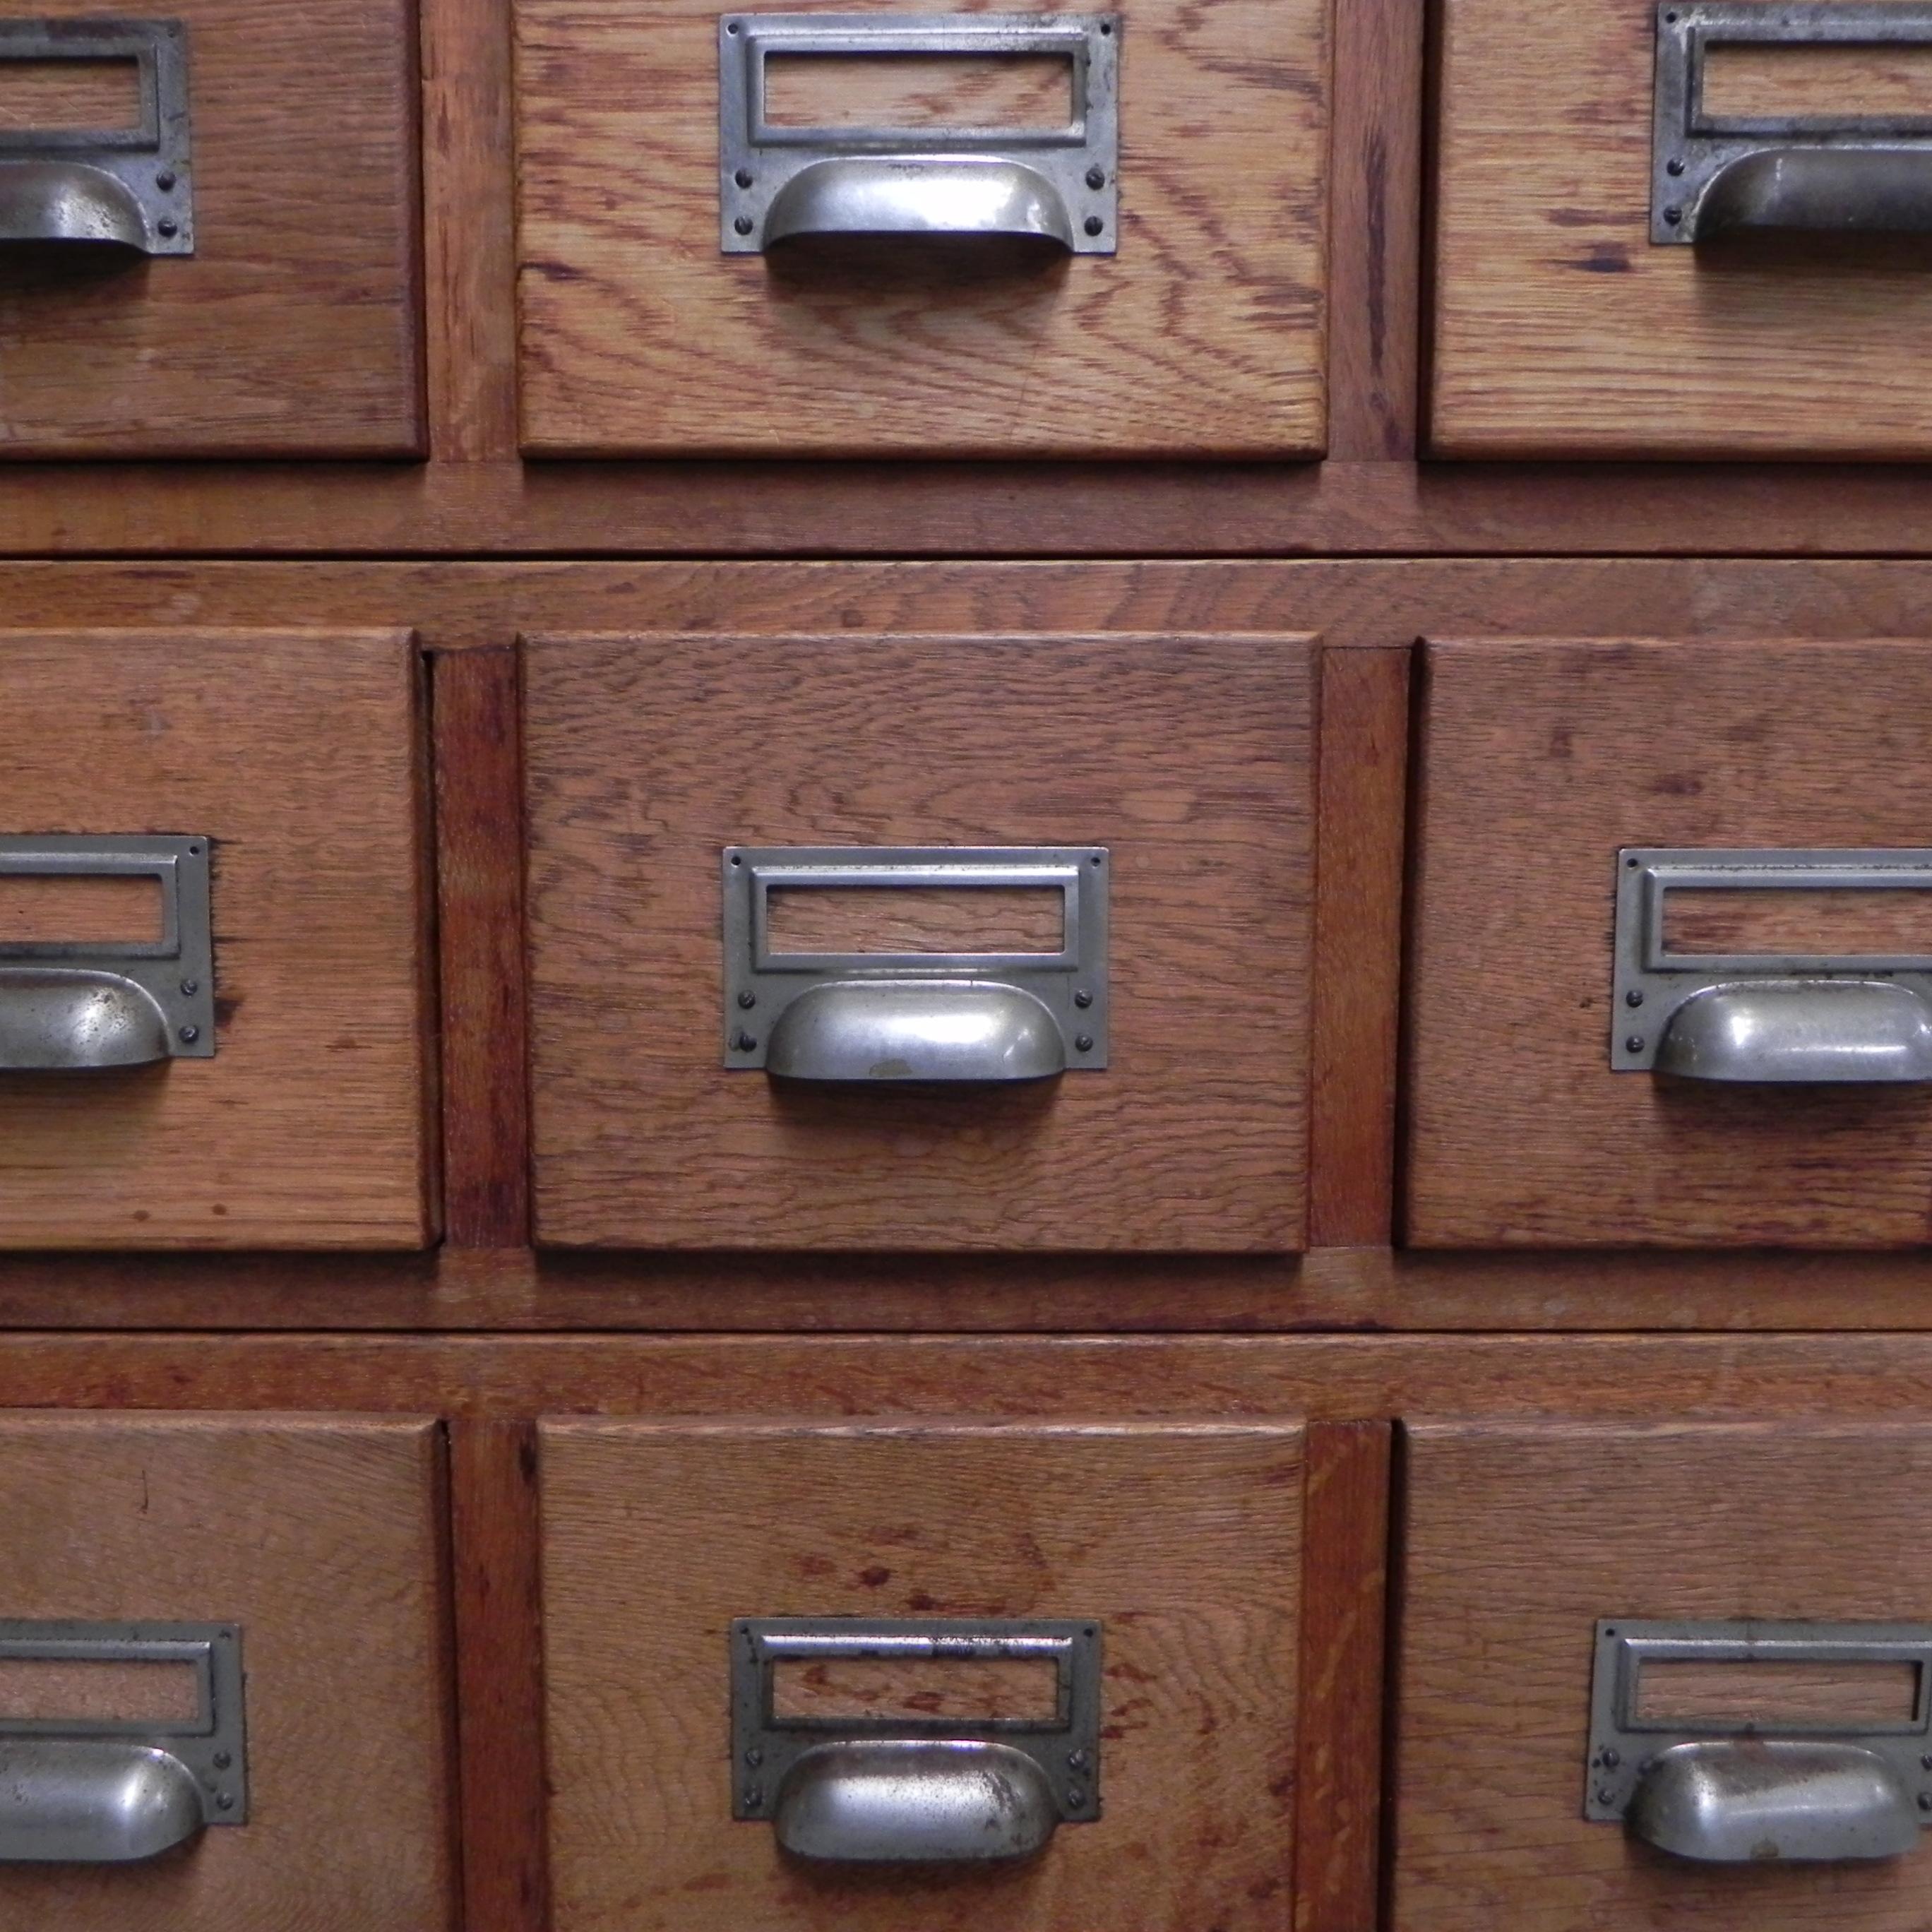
1532, 1118
313, 1545
1200, 334
294, 1117
1180, 1546
293, 328
1181, 763
1525, 1545
1563, 327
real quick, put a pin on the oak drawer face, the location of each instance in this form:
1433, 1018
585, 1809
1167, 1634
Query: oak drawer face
1571, 1589
1661, 983
239, 1619
899, 1595
1631, 253
263, 1084
256, 170
688, 291
1158, 789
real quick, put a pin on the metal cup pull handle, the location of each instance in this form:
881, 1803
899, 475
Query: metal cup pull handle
984, 1018
1779, 1018
74, 1006
1716, 174
781, 183
128, 188
1749, 1790
907, 1788
113, 1792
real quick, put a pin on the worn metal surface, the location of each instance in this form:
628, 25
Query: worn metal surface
130, 187
84, 1005
1053, 185
1713, 174
915, 1016
1783, 1018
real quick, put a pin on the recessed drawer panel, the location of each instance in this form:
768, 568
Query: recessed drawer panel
222, 1679
212, 1022
208, 222
1007, 1677
1623, 1704
919, 943
1683, 228
859, 231
1672, 959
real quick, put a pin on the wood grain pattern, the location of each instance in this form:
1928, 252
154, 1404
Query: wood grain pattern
918, 90
492, 1497
294, 329
319, 1538
1202, 337
480, 898
1560, 329
1771, 1694
1188, 757
916, 918
43, 94
44, 1688
1888, 922
1183, 1542
1847, 81
1338, 1867
49, 909
974, 1689
297, 753
1518, 1539
1539, 760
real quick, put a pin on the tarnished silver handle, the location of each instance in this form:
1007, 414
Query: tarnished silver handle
64, 1801
949, 1029
1801, 1031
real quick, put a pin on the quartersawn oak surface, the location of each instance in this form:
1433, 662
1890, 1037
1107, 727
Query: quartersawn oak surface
295, 329
1518, 1537
1203, 337
1183, 1542
1562, 329
297, 753
319, 1538
1539, 759
1188, 757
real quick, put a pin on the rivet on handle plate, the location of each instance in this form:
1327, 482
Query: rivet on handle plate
80, 1006
1736, 1792
124, 187
115, 1791
1848, 1019
875, 1017
906, 1790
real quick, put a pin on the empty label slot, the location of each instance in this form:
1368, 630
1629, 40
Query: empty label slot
1770, 1694
917, 919
49, 909
1816, 83
1884, 922
59, 1689
967, 1690
76, 96
1025, 91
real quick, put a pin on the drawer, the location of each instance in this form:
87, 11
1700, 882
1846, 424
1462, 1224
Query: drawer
246, 801
882, 1597
1146, 801
249, 1611
265, 154
1649, 1004
1127, 260
1587, 1628
1631, 255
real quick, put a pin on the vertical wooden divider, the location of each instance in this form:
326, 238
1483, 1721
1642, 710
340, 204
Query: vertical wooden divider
477, 709
1360, 802
496, 1534
1344, 1591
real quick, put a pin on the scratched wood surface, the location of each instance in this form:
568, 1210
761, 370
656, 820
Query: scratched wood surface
1560, 329
1202, 337
1538, 761
297, 755
1518, 1537
1183, 1542
319, 1537
1189, 758
295, 329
